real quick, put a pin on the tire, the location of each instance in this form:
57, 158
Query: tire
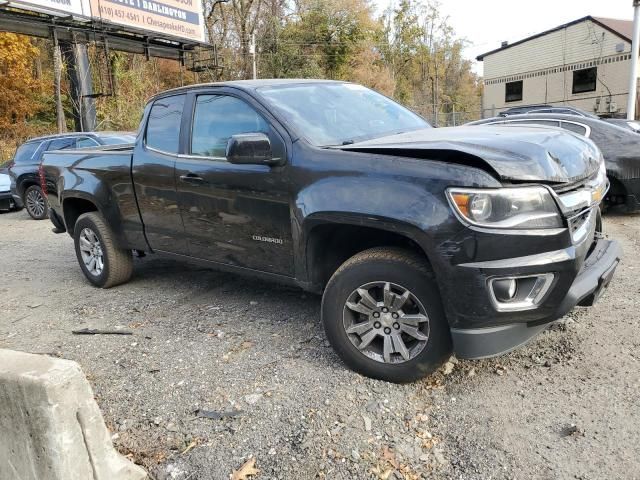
380, 270
117, 263
35, 203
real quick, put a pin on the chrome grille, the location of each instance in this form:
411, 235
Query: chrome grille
582, 224
585, 197
578, 221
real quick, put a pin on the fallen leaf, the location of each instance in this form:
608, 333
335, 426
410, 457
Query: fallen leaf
390, 457
386, 474
382, 474
248, 469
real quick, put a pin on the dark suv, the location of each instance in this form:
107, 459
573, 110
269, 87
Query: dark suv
23, 169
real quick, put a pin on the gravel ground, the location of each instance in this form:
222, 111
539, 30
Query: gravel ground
565, 406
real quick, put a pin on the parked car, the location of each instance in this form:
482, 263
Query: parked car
6, 200
25, 185
620, 148
632, 125
529, 109
422, 241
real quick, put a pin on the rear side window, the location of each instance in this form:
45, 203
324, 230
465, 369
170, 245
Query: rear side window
86, 142
62, 143
25, 152
575, 128
118, 140
544, 123
163, 126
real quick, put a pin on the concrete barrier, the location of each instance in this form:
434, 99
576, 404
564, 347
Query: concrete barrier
50, 425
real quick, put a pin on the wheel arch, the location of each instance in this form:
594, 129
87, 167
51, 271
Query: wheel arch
23, 184
332, 238
617, 186
618, 193
75, 205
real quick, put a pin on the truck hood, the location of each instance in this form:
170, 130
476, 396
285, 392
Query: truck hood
515, 153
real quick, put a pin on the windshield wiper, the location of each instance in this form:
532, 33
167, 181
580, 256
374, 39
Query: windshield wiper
346, 142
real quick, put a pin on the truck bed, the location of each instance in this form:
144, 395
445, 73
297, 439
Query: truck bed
80, 173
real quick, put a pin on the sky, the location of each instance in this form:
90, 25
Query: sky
485, 24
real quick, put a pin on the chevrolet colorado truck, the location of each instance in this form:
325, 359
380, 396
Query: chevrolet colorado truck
422, 241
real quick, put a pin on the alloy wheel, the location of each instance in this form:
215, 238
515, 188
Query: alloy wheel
36, 203
386, 322
91, 251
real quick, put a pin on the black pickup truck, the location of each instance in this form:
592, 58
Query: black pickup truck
422, 241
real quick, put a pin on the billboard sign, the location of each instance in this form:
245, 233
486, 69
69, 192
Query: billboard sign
180, 19
177, 18
56, 7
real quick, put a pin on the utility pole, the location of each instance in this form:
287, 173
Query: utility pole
635, 51
252, 51
79, 70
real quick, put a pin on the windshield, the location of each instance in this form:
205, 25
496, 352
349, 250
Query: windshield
330, 114
118, 139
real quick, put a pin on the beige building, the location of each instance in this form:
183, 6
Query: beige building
585, 64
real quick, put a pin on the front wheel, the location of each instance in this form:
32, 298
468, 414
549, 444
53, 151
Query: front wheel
35, 202
104, 264
382, 314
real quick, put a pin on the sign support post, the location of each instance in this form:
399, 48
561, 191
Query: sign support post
635, 51
79, 71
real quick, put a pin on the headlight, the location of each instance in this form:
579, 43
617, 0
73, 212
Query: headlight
515, 208
602, 185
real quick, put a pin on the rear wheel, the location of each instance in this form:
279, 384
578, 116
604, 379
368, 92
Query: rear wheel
35, 202
382, 314
101, 261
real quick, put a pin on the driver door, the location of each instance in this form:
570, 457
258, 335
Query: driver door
233, 214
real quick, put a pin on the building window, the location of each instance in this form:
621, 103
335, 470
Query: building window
585, 80
513, 91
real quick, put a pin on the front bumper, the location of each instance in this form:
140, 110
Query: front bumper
17, 199
595, 275
6, 201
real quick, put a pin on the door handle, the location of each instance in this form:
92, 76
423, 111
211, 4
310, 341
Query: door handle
193, 179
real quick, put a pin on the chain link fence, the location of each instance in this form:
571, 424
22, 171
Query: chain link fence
450, 115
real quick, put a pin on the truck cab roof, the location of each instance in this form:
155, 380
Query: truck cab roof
246, 84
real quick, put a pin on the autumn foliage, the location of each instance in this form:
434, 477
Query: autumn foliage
19, 87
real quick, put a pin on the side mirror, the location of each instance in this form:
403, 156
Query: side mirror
250, 149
